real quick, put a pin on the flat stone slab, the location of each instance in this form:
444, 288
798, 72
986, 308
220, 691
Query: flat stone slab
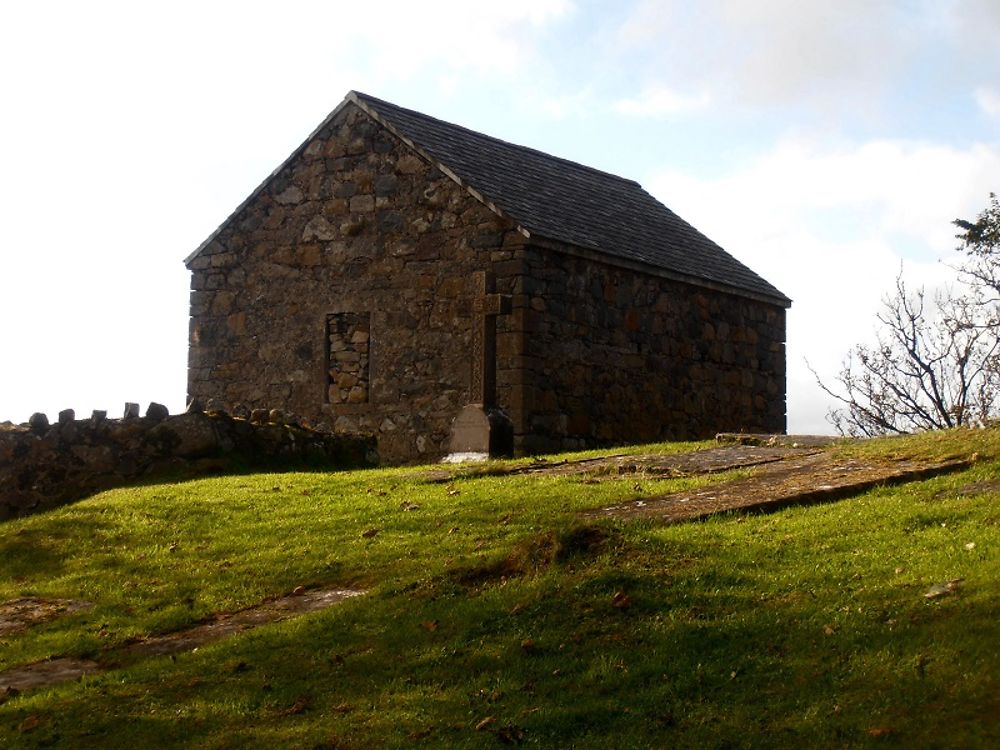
708, 461
62, 669
790, 441
225, 625
44, 673
980, 488
21, 614
816, 477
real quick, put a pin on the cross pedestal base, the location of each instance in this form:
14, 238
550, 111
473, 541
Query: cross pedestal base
479, 433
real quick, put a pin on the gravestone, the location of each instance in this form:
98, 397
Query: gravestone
482, 430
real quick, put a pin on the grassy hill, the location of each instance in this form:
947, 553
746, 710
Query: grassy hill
495, 615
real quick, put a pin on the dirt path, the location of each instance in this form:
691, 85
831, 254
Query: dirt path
62, 669
809, 478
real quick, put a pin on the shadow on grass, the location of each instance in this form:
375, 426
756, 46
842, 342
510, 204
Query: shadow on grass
41, 550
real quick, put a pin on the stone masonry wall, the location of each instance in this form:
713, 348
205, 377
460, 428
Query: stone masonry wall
611, 356
343, 292
43, 466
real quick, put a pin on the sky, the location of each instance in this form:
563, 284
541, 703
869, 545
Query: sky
827, 145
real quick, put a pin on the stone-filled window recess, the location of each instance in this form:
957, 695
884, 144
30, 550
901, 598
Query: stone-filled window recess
348, 343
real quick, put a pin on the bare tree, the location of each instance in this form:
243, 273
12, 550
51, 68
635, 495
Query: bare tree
936, 362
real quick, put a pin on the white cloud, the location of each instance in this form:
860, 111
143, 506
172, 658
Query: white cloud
988, 100
645, 22
831, 228
826, 61
771, 51
658, 101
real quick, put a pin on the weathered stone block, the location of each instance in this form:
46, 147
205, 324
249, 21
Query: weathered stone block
362, 204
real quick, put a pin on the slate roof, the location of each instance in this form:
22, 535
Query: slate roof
568, 202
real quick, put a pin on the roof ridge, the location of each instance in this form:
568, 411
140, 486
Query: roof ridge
538, 152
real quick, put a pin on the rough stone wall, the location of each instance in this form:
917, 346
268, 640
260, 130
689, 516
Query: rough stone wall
610, 355
358, 236
43, 466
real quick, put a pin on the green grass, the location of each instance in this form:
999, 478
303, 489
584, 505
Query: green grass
803, 628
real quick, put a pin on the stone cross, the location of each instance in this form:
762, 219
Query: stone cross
481, 430
487, 305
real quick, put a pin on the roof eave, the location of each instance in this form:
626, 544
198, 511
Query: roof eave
654, 270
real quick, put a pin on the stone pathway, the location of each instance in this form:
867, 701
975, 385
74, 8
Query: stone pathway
788, 441
810, 478
980, 488
62, 669
21, 614
657, 465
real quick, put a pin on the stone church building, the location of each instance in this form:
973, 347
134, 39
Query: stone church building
397, 268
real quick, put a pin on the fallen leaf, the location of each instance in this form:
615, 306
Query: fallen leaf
29, 724
621, 600
430, 625
829, 630
301, 704
527, 644
370, 534
343, 708
943, 589
407, 505
970, 546
881, 731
